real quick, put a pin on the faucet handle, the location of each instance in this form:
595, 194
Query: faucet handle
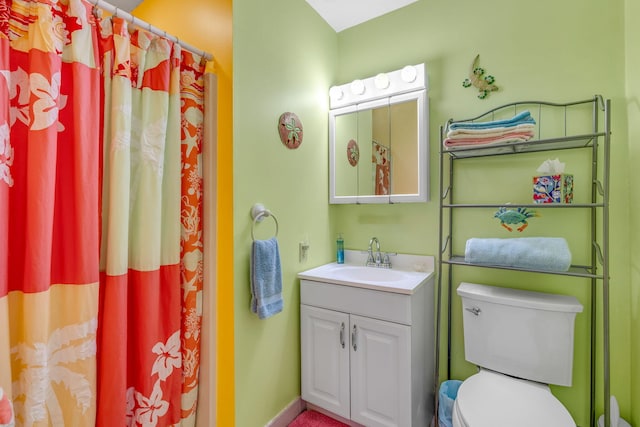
370, 259
386, 262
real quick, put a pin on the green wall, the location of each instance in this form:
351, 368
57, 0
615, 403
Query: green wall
545, 50
286, 58
284, 61
632, 15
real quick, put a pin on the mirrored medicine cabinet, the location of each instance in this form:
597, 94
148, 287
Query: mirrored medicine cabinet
378, 144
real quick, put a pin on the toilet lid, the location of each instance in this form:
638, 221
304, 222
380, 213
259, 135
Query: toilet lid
490, 399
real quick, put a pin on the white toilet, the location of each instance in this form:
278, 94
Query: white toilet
521, 341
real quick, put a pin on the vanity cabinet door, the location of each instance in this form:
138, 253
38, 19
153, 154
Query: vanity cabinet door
325, 359
380, 373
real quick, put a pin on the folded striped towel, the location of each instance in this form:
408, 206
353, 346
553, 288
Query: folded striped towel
497, 139
520, 118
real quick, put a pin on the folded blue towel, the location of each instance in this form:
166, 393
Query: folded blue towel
266, 278
539, 253
518, 119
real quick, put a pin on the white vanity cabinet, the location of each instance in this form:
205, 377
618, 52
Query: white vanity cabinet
367, 354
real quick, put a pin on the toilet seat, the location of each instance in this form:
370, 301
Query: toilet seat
491, 399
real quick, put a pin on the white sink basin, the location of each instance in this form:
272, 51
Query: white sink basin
384, 279
357, 273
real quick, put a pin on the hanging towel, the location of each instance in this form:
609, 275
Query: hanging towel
539, 253
266, 278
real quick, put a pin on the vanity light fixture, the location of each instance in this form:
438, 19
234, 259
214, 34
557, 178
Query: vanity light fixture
381, 81
357, 87
408, 79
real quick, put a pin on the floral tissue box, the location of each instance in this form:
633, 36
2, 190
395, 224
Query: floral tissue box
553, 188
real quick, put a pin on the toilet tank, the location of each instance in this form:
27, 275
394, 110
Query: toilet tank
520, 333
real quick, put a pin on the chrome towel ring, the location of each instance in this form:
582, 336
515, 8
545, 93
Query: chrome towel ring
258, 213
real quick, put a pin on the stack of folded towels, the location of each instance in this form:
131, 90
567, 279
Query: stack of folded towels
519, 128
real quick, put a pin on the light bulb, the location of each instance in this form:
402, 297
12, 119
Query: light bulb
335, 92
381, 81
357, 87
409, 74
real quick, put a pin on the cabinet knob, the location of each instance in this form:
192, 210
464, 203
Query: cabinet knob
342, 334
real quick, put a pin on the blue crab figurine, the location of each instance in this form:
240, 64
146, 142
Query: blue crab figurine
514, 216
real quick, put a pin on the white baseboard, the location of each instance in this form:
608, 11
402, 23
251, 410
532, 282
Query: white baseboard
288, 414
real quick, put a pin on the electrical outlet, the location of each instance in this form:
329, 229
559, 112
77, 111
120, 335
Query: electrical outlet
303, 248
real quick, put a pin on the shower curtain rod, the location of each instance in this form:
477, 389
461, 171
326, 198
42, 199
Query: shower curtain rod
140, 23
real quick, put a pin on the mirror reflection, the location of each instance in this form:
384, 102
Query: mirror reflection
379, 151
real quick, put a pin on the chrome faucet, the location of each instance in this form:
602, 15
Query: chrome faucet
371, 259
377, 258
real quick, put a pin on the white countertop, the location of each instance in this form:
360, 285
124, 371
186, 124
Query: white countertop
407, 274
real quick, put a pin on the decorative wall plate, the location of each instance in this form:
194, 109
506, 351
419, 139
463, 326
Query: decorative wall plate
290, 129
353, 152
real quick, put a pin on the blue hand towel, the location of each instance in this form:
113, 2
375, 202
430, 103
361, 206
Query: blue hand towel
518, 119
539, 253
266, 278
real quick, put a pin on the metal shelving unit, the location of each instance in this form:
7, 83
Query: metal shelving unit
564, 138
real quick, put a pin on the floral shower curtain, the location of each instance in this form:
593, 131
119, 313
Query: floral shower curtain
151, 256
49, 223
100, 229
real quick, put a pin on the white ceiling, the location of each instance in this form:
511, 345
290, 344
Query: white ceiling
343, 14
339, 14
127, 5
